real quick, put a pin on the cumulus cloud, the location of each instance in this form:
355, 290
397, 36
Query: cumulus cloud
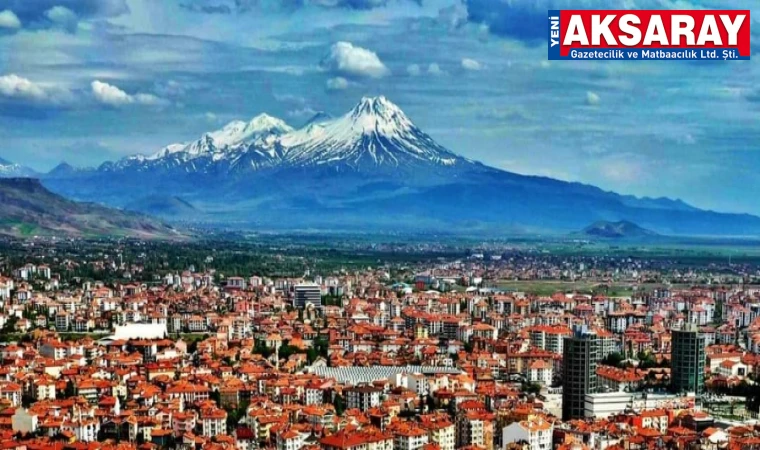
62, 17
349, 60
15, 86
592, 98
413, 70
170, 88
111, 95
301, 113
526, 20
471, 64
435, 69
9, 22
37, 11
337, 84
149, 99
432, 69
20, 89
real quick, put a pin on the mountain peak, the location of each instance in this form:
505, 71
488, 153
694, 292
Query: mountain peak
266, 123
239, 132
378, 114
62, 169
374, 133
375, 103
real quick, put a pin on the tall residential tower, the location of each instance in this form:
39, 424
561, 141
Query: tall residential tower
687, 360
579, 361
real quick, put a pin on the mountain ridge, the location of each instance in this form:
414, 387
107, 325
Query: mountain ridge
12, 170
30, 209
363, 168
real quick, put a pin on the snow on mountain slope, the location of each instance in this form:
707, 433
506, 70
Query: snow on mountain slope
239, 132
228, 144
375, 132
9, 170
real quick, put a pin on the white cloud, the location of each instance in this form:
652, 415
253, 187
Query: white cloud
337, 84
300, 113
150, 99
592, 98
435, 69
471, 64
9, 21
111, 95
432, 69
63, 17
346, 59
211, 117
15, 87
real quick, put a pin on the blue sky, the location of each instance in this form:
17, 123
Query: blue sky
85, 81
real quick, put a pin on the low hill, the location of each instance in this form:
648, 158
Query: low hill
28, 209
617, 230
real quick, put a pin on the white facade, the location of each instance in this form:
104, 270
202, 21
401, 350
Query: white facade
537, 433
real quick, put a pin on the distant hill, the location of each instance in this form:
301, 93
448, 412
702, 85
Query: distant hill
163, 206
617, 230
28, 209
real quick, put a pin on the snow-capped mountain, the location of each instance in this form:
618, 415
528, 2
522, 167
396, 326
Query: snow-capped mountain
319, 117
370, 168
11, 170
374, 134
236, 143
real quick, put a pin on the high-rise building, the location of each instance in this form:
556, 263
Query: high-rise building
580, 355
687, 360
307, 293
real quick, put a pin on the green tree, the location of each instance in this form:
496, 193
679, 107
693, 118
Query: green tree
216, 397
531, 388
614, 359
339, 404
234, 415
312, 355
70, 390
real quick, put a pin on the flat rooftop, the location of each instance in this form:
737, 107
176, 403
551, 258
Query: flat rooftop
359, 375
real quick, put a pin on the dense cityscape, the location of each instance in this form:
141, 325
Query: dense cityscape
105, 346
379, 225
